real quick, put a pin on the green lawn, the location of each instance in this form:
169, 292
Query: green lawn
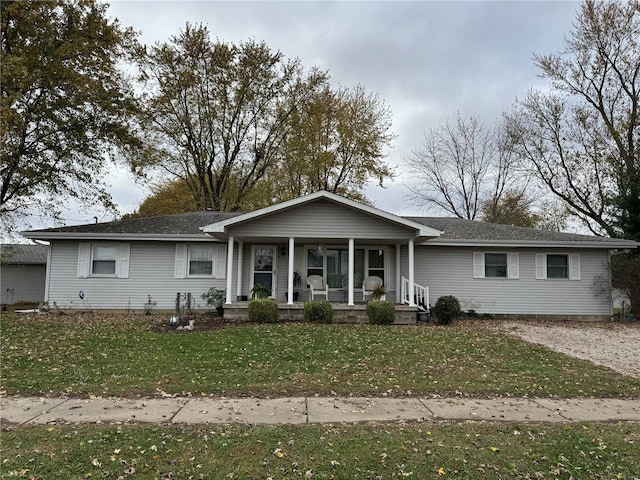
95, 354
419, 451
91, 354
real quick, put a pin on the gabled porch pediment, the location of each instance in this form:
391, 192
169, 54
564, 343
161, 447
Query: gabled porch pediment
321, 215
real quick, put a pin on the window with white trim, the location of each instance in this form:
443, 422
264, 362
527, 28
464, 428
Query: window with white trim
103, 260
200, 260
315, 262
332, 264
560, 266
557, 266
375, 265
496, 265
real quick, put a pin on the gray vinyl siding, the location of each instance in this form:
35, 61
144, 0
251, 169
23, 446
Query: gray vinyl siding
321, 219
151, 272
449, 271
22, 283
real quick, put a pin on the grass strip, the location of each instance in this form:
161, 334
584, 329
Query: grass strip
117, 355
466, 450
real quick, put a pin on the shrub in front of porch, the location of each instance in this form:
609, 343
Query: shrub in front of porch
263, 310
381, 312
446, 309
318, 312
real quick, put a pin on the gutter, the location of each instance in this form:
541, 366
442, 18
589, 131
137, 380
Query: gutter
163, 237
604, 244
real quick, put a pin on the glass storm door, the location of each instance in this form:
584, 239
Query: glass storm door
264, 270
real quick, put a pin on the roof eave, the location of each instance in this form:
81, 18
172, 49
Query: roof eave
167, 237
607, 245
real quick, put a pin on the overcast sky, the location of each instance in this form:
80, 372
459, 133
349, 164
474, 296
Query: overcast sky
426, 60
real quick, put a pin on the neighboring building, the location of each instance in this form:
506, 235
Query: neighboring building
23, 272
490, 268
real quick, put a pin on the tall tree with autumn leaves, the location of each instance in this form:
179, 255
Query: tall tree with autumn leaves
242, 127
66, 106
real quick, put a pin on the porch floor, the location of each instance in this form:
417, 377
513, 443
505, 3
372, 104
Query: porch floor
342, 312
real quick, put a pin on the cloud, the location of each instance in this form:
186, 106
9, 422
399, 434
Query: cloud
426, 60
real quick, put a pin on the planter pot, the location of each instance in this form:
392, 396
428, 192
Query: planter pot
242, 298
220, 311
295, 296
422, 317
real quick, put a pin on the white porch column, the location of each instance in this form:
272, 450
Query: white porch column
352, 254
292, 245
412, 276
398, 276
239, 283
229, 269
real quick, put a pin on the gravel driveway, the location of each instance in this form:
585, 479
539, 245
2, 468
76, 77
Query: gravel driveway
614, 345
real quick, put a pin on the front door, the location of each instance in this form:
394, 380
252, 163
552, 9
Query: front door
264, 268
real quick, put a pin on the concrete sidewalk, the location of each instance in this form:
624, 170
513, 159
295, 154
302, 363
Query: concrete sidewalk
312, 410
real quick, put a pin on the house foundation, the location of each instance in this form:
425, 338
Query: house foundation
342, 313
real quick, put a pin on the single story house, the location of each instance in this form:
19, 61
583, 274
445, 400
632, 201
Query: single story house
490, 268
23, 271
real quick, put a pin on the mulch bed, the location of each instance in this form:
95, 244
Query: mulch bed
202, 323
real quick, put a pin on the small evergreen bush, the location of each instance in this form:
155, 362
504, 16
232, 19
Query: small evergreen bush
318, 312
381, 312
263, 310
446, 309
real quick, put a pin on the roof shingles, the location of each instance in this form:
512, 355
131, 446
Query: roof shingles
454, 229
23, 254
179, 224
462, 229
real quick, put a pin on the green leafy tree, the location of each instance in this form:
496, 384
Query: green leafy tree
217, 115
522, 210
581, 138
336, 144
514, 208
66, 106
166, 198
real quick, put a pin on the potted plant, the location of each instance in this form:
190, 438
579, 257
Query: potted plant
260, 291
378, 292
215, 298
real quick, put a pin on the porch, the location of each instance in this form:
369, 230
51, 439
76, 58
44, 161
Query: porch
342, 312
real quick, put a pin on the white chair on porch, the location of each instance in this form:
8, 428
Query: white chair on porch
317, 286
369, 284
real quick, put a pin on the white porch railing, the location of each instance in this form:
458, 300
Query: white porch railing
420, 293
